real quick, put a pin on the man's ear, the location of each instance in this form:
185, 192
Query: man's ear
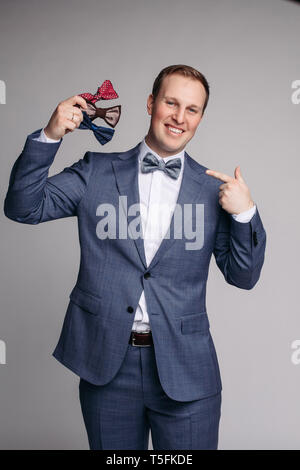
150, 102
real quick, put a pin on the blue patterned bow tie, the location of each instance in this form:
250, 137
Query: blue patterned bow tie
102, 134
151, 163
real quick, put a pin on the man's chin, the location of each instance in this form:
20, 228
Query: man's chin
167, 147
172, 149
175, 146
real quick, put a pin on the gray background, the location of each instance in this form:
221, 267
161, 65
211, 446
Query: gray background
249, 52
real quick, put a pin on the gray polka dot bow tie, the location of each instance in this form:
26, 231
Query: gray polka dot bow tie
151, 163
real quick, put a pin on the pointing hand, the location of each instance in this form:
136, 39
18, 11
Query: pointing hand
234, 195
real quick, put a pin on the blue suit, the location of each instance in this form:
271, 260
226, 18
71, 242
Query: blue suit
97, 325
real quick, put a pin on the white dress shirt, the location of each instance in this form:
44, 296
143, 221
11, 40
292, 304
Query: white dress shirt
157, 190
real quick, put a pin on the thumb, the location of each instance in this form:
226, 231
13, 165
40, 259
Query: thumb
238, 174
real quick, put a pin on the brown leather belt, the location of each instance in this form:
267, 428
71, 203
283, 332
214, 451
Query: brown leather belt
141, 339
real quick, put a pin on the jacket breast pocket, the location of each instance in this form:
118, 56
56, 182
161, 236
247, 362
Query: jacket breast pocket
88, 302
195, 323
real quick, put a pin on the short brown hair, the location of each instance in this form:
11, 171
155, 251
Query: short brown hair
181, 69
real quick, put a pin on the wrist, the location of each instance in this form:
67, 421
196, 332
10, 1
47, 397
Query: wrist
50, 134
245, 209
251, 204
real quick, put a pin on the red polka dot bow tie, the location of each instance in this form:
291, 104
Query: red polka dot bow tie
105, 92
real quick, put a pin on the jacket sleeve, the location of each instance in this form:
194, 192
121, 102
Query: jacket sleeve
32, 197
240, 249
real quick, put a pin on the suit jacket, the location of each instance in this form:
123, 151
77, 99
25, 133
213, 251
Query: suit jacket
100, 312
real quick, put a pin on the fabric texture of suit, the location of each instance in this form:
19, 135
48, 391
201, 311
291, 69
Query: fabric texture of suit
99, 317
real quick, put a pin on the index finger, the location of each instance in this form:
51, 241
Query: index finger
220, 176
76, 99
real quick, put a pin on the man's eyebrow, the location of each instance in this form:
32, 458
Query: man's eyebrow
190, 106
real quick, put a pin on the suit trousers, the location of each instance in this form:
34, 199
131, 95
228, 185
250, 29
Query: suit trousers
120, 414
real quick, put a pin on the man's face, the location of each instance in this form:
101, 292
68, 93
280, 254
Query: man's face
175, 114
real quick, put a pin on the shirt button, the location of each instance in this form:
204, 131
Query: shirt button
129, 309
147, 275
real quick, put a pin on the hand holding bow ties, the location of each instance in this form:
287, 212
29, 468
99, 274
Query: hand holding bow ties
79, 111
66, 117
234, 195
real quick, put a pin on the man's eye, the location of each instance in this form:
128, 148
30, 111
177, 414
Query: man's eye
193, 110
170, 102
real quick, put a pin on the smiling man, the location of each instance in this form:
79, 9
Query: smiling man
176, 105
136, 330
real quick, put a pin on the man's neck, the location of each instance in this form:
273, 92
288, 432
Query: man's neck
160, 152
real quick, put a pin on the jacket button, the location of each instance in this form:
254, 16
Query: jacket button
147, 275
129, 309
255, 240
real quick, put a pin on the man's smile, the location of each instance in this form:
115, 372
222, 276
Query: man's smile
174, 130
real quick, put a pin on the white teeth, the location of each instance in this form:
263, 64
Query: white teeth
177, 131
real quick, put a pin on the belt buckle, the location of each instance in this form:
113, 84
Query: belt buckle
139, 345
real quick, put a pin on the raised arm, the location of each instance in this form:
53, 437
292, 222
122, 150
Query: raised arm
32, 196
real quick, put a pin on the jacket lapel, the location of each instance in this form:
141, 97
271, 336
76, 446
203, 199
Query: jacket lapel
191, 190
126, 172
193, 181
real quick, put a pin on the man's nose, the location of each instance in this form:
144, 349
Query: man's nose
178, 115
